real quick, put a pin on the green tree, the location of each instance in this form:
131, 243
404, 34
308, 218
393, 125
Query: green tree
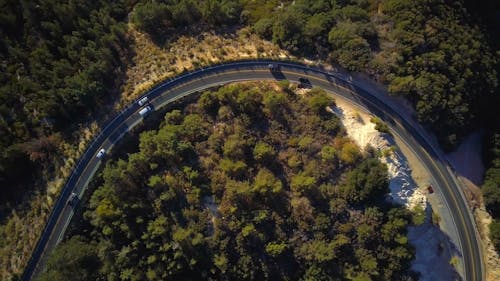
233, 168
266, 183
318, 100
75, 259
287, 30
185, 13
274, 104
209, 103
275, 249
264, 28
264, 153
234, 147
317, 273
152, 17
302, 183
328, 154
369, 179
194, 128
491, 192
350, 49
437, 72
495, 233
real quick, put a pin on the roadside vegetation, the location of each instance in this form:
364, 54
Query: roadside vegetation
233, 187
380, 125
491, 187
152, 63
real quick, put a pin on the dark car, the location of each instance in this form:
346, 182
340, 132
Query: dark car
304, 83
430, 189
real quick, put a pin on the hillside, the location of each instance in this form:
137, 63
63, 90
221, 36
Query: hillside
248, 183
67, 66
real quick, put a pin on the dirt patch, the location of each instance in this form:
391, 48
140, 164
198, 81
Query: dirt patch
472, 193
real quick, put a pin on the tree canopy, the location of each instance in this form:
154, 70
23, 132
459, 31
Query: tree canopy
431, 52
232, 205
59, 60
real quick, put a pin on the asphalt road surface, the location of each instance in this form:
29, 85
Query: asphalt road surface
174, 89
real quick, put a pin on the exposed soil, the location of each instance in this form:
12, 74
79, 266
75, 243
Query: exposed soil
434, 249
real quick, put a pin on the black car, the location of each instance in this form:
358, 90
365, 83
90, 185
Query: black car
304, 83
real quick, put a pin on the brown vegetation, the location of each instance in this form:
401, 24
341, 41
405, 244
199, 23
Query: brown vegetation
153, 63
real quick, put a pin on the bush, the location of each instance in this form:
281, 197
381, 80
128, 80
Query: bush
264, 28
418, 215
318, 100
152, 17
264, 153
75, 259
380, 125
495, 234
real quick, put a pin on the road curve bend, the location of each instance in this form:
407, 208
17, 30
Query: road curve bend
201, 79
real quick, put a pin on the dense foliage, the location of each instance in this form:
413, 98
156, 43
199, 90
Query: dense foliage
340, 30
445, 65
160, 18
432, 52
59, 59
249, 183
76, 260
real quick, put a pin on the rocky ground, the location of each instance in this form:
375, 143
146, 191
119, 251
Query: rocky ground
434, 250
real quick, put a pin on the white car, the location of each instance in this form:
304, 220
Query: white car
143, 101
145, 111
72, 199
101, 153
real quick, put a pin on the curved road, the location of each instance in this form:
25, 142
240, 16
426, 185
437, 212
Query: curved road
171, 90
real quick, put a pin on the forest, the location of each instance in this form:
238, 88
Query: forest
59, 61
250, 182
63, 64
62, 60
428, 51
435, 53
